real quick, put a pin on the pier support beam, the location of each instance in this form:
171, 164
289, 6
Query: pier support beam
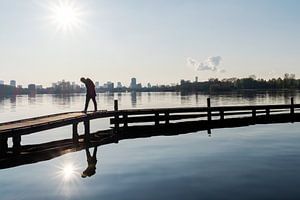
116, 108
75, 133
156, 119
125, 116
268, 112
3, 145
253, 115
292, 111
292, 106
167, 116
87, 130
208, 110
16, 143
221, 114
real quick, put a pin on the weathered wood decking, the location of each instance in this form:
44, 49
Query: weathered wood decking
206, 116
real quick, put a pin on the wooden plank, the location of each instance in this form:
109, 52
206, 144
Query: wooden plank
39, 121
32, 125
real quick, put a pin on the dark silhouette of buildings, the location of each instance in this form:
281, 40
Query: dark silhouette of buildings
287, 82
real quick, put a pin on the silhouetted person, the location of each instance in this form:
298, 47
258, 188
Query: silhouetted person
92, 161
90, 93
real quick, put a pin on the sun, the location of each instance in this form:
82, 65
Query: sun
66, 15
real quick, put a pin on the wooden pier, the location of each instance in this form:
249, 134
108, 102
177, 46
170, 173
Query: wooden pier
121, 120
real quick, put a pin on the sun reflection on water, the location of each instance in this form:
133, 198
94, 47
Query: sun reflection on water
67, 176
68, 172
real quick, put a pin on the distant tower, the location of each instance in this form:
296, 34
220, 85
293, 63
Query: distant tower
31, 89
97, 84
182, 81
119, 85
133, 83
196, 79
13, 83
110, 85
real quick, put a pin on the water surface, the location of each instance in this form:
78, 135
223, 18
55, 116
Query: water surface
255, 162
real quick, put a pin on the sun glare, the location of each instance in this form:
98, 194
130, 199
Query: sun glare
66, 15
68, 172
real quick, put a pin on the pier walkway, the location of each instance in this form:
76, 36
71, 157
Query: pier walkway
205, 117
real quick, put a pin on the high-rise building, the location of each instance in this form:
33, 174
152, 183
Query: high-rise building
110, 85
31, 89
97, 84
39, 87
133, 83
54, 85
182, 81
1, 82
13, 83
119, 84
196, 79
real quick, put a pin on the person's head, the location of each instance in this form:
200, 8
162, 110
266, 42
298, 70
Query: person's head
82, 79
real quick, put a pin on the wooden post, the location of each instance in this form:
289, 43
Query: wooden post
292, 106
3, 145
87, 130
157, 119
253, 113
208, 110
125, 117
116, 108
221, 114
75, 132
167, 117
292, 110
209, 132
267, 112
16, 143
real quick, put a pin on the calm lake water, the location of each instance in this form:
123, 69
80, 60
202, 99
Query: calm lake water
254, 162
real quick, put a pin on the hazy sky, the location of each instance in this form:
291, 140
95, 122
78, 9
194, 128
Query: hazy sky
157, 41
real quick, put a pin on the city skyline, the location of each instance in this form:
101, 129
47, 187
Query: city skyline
168, 41
134, 82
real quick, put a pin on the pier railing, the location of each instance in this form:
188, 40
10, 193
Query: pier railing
208, 113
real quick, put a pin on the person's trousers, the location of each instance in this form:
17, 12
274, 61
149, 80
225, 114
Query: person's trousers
87, 100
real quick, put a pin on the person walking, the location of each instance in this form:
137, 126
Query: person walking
90, 93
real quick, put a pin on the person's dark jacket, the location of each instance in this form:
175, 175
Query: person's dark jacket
90, 88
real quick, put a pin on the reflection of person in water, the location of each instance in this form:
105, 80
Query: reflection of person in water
92, 161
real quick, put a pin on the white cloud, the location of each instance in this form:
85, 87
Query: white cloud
210, 64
